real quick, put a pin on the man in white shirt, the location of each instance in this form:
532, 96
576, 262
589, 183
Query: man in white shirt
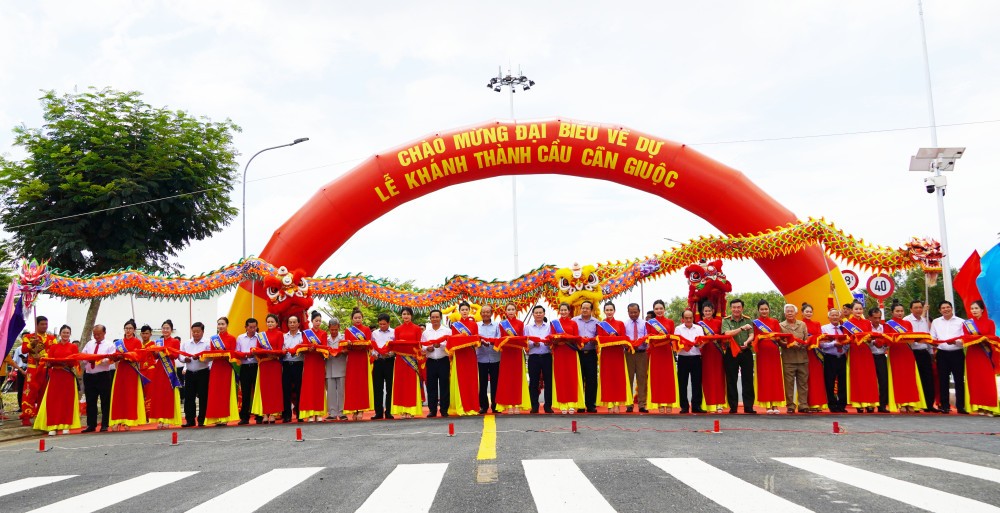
835, 363
923, 353
950, 357
336, 369
636, 364
291, 370
689, 363
382, 369
248, 369
438, 366
97, 377
195, 376
539, 359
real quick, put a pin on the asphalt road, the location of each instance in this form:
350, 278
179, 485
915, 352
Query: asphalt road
605, 466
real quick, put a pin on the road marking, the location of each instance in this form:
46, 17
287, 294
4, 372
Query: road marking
412, 485
257, 492
723, 488
560, 486
903, 491
113, 494
966, 469
488, 443
28, 483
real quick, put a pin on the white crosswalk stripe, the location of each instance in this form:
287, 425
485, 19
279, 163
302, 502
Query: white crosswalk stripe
28, 483
407, 488
915, 495
957, 467
110, 495
560, 486
724, 488
257, 492
555, 485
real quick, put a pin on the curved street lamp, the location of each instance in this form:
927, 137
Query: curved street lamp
244, 208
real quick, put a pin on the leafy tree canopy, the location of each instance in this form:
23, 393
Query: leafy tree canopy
111, 182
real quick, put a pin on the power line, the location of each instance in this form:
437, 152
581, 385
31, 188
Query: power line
838, 134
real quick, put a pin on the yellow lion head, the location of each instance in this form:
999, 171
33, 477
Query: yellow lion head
452, 313
578, 284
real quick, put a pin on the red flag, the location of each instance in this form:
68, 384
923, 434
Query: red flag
965, 281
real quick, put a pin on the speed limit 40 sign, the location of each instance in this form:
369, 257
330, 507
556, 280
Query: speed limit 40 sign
881, 286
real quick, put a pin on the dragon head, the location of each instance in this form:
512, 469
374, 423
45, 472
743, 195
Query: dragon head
33, 278
927, 253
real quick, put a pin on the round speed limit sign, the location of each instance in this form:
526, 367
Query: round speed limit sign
881, 286
851, 278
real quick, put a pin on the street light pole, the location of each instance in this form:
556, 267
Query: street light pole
497, 83
949, 293
245, 168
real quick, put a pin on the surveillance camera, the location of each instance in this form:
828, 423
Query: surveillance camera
930, 185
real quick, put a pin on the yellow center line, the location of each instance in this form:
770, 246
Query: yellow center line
488, 444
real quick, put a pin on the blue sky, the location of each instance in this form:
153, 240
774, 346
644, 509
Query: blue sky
360, 78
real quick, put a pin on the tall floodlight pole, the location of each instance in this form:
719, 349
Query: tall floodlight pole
949, 293
512, 82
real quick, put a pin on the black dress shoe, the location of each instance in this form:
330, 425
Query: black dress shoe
89, 430
104, 429
187, 424
883, 409
534, 410
643, 410
699, 410
963, 412
749, 412
591, 410
243, 422
930, 410
378, 417
682, 410
483, 411
548, 410
389, 416
732, 411
444, 414
432, 414
628, 409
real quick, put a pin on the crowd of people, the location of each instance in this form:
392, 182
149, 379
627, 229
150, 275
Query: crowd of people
290, 370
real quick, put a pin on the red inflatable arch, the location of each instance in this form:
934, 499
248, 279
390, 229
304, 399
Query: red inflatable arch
717, 193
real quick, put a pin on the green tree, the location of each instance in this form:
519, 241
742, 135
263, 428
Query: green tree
677, 305
911, 286
342, 307
110, 182
6, 263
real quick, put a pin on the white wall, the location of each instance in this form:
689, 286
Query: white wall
114, 313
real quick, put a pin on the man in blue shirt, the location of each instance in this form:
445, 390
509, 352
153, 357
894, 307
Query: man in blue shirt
489, 360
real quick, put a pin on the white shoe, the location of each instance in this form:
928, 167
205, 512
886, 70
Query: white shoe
65, 431
572, 411
52, 433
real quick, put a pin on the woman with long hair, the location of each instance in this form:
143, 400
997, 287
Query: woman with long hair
980, 377
567, 379
163, 390
59, 409
128, 405
662, 374
768, 375
268, 393
222, 408
904, 390
816, 397
406, 367
358, 394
